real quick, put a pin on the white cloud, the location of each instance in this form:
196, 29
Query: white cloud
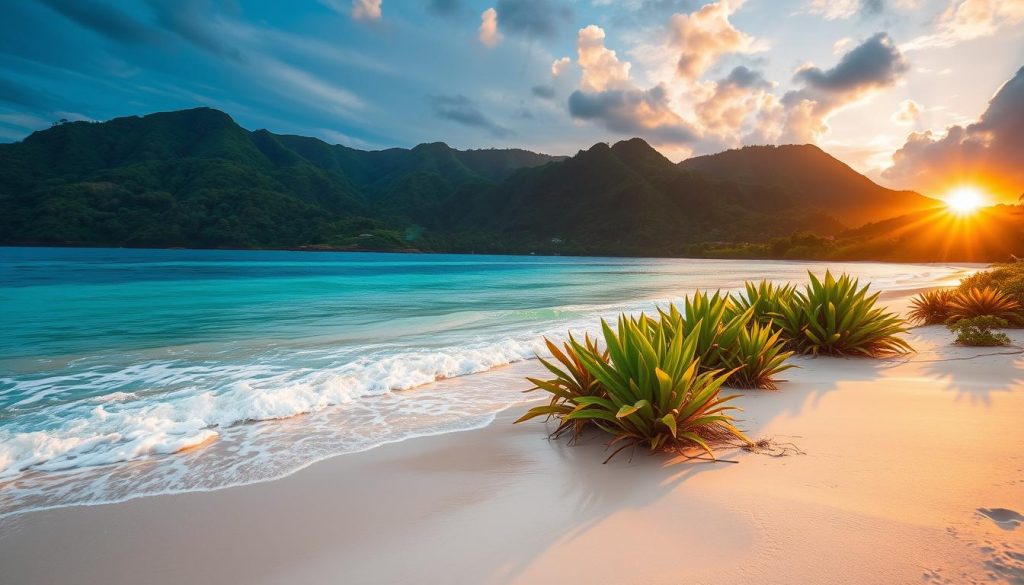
834, 9
705, 35
965, 20
908, 114
558, 66
489, 34
601, 67
366, 9
842, 45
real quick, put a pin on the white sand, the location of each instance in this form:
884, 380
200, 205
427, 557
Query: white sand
899, 456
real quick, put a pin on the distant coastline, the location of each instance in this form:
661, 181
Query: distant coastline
196, 179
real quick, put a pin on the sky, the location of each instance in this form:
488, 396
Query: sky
918, 94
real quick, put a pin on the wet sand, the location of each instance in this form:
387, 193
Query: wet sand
912, 471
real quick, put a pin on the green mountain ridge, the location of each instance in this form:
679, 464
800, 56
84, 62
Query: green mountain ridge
195, 178
814, 178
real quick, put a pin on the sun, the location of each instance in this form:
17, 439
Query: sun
965, 200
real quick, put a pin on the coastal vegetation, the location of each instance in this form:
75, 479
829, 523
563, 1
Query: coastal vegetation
977, 331
980, 302
836, 316
1006, 278
656, 382
997, 292
986, 300
728, 339
932, 307
652, 391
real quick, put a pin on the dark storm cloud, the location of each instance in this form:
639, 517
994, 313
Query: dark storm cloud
103, 19
533, 18
462, 110
543, 91
875, 62
633, 112
991, 149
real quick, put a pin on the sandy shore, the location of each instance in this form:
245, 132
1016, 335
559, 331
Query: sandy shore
898, 458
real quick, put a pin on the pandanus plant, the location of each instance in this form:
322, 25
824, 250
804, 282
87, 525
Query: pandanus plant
729, 338
654, 392
932, 307
978, 302
838, 317
572, 380
764, 299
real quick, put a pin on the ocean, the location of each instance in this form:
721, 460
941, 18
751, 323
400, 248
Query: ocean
128, 372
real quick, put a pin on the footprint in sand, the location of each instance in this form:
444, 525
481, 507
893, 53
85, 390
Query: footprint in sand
1004, 518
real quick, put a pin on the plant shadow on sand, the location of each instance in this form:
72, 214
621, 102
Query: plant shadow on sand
973, 374
591, 493
627, 485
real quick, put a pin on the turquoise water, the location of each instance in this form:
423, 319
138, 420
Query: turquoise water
125, 372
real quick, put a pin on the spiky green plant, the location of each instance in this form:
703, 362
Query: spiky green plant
571, 380
978, 302
757, 357
1005, 278
932, 307
838, 317
765, 299
728, 338
715, 320
655, 395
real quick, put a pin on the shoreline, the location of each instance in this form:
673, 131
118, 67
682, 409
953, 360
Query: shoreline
511, 374
414, 251
503, 504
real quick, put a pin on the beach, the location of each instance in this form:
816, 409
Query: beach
898, 470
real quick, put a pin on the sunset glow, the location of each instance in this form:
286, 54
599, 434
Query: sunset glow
965, 200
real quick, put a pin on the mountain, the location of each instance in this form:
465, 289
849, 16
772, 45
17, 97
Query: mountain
814, 178
628, 198
195, 178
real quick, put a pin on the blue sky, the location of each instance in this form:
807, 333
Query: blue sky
857, 77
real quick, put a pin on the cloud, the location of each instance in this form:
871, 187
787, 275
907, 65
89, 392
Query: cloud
534, 18
601, 67
310, 88
462, 110
194, 21
908, 114
965, 20
633, 112
103, 19
705, 35
558, 66
987, 153
734, 104
876, 62
543, 91
16, 93
872, 66
366, 9
607, 95
489, 34
844, 9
